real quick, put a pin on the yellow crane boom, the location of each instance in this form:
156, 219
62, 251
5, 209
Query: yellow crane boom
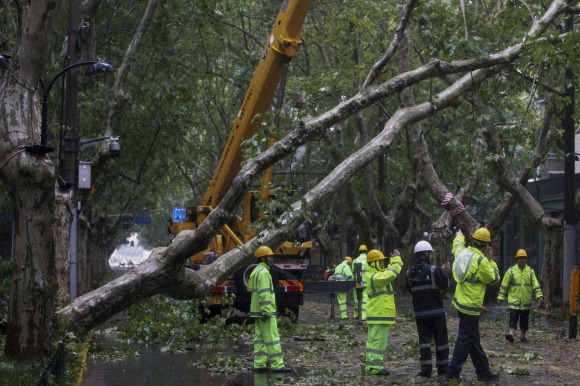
282, 44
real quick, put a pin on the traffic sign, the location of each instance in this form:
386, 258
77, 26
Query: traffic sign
142, 220
178, 214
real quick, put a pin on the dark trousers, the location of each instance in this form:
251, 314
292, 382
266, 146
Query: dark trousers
468, 344
428, 329
523, 316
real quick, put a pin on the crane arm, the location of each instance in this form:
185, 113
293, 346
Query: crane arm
283, 42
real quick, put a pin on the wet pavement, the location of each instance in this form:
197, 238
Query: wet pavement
152, 367
156, 368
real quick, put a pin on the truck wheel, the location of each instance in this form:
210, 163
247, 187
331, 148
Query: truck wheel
242, 277
295, 309
214, 310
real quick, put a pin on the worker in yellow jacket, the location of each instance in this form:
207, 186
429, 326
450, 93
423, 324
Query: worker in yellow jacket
381, 309
360, 293
473, 268
263, 311
522, 288
343, 272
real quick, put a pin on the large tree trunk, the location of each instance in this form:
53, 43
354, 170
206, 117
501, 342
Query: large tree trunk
62, 221
30, 181
552, 264
33, 279
95, 247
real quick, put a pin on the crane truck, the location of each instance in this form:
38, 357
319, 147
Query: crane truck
291, 258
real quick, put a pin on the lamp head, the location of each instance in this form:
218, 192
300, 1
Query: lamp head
99, 68
4, 61
114, 147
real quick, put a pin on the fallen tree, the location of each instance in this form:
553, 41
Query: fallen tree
165, 272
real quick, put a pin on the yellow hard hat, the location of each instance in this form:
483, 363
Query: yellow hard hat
521, 253
349, 259
362, 248
482, 234
374, 255
264, 251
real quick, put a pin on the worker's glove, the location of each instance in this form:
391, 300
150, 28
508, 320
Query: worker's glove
264, 318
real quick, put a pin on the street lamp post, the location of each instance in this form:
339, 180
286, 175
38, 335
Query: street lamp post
569, 232
96, 67
570, 220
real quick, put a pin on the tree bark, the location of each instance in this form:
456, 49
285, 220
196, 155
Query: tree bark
552, 264
30, 181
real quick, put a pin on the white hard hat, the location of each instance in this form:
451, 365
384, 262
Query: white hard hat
423, 246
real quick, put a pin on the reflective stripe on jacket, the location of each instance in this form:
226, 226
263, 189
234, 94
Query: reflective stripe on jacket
381, 305
425, 282
263, 301
521, 287
470, 290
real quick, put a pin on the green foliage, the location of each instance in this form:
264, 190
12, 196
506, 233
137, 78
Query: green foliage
186, 94
520, 372
222, 364
105, 355
279, 211
178, 325
411, 348
19, 374
161, 320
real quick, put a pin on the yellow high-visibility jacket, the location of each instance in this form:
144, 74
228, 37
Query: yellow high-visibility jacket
263, 300
343, 271
472, 271
381, 305
521, 287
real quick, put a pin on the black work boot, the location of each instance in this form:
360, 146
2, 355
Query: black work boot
441, 370
452, 379
383, 372
490, 377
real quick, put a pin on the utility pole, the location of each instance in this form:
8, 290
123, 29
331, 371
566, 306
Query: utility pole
71, 139
342, 198
570, 220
